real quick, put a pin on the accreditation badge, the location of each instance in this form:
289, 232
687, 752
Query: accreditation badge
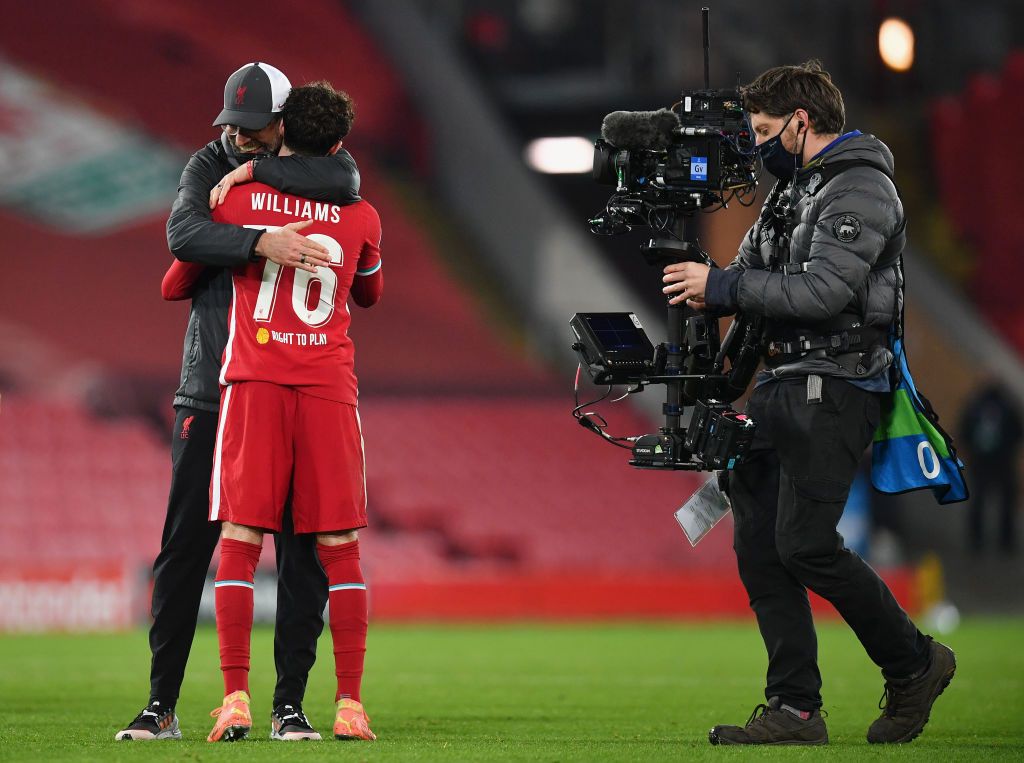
703, 511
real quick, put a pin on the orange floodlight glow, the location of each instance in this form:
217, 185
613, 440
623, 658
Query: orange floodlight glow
896, 44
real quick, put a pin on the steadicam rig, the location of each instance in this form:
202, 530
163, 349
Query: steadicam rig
614, 349
667, 165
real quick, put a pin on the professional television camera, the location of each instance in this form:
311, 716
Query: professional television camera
667, 165
671, 162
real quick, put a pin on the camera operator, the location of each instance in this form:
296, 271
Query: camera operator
822, 266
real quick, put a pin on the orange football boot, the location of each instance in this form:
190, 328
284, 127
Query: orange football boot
352, 722
233, 719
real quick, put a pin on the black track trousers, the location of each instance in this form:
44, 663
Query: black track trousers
186, 549
787, 498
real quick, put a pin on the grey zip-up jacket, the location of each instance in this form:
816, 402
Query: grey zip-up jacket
850, 232
192, 236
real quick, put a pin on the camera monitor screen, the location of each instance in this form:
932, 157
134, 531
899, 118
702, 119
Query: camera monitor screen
612, 346
617, 331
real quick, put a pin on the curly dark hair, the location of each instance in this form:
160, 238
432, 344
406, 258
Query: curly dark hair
316, 116
783, 89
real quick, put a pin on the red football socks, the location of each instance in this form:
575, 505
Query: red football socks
233, 598
348, 614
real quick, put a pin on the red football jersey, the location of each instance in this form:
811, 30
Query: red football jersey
290, 326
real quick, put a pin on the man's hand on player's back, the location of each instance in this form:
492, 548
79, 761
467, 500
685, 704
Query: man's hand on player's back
286, 246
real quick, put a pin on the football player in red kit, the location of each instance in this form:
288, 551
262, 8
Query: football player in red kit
289, 420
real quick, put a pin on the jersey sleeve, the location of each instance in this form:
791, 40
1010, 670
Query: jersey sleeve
369, 281
180, 280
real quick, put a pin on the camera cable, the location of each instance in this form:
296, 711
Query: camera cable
594, 421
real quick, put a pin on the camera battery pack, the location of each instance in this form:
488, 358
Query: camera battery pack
657, 451
718, 435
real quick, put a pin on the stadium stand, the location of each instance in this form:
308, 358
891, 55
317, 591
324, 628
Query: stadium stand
66, 474
977, 188
77, 488
482, 488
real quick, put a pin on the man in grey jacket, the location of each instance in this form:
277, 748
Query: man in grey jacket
821, 268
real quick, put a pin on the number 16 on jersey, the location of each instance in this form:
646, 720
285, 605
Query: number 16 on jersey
266, 300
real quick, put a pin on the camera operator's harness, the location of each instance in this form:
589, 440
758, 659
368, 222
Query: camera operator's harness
843, 339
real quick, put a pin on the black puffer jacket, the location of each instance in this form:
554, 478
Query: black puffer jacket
193, 237
850, 232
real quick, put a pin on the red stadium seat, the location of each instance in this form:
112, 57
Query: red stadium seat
978, 188
485, 480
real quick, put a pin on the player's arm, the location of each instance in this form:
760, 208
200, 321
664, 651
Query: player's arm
332, 178
180, 280
192, 235
368, 284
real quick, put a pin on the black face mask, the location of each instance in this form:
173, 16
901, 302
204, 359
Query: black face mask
777, 160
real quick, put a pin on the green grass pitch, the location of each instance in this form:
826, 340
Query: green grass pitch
587, 692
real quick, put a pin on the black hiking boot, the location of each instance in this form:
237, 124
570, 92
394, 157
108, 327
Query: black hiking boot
770, 724
907, 702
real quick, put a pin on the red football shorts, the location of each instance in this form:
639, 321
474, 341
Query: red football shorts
271, 439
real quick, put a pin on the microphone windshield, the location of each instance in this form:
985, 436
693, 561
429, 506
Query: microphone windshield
640, 129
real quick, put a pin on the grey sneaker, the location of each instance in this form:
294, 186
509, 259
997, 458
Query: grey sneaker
770, 724
154, 722
906, 703
289, 724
